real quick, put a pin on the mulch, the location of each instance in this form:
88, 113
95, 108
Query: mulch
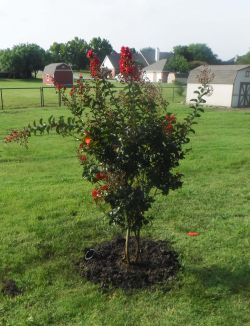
104, 264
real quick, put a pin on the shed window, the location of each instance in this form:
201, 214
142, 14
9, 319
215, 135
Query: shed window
247, 73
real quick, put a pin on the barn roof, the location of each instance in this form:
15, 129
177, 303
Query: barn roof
158, 66
51, 68
223, 74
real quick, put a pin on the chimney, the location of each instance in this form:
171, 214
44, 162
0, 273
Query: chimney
157, 54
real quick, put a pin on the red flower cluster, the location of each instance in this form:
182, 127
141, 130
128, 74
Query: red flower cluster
170, 119
16, 135
83, 158
101, 176
94, 64
88, 141
98, 193
128, 68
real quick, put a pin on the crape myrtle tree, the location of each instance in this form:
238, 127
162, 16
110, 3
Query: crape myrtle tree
129, 144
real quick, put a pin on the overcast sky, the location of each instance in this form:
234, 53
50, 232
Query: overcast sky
222, 24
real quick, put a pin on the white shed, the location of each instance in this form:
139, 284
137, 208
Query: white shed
230, 86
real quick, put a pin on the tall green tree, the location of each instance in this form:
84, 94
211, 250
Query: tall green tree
22, 60
57, 52
75, 52
101, 47
177, 63
196, 52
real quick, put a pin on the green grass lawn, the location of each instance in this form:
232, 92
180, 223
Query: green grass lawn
48, 217
15, 95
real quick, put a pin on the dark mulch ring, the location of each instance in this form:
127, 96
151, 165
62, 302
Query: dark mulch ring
105, 264
9, 288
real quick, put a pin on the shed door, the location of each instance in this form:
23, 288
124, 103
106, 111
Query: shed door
244, 96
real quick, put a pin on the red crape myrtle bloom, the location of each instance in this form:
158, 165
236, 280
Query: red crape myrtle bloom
88, 141
170, 119
98, 193
128, 68
94, 64
101, 176
83, 158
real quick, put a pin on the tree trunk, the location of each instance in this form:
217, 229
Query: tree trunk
138, 248
127, 254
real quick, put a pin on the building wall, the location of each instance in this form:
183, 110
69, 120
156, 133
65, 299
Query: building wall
171, 77
107, 64
242, 76
153, 76
221, 94
63, 77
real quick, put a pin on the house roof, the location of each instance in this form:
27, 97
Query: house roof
114, 58
51, 68
158, 66
223, 74
149, 55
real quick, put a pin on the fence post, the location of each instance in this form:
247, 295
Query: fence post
42, 96
59, 98
2, 98
41, 99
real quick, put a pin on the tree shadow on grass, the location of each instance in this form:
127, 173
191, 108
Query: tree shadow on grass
235, 279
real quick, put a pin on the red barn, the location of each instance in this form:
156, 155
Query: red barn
58, 73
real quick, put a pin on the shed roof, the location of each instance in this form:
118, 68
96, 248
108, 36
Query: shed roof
51, 68
158, 66
223, 74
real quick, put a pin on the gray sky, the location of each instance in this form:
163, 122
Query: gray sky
222, 24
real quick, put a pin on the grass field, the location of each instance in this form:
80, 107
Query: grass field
15, 96
48, 218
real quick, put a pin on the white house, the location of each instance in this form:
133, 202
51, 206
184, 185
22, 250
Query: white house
230, 86
143, 58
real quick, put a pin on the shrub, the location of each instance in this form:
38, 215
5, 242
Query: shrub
129, 144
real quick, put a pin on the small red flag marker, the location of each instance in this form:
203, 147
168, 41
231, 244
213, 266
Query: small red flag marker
193, 234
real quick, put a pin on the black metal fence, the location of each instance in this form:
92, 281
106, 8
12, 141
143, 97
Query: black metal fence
27, 97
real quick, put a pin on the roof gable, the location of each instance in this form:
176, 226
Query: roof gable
158, 66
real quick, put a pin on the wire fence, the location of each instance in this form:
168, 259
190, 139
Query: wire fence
29, 97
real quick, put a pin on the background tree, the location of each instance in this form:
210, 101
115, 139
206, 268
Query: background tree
57, 52
101, 47
196, 54
201, 52
75, 52
182, 50
177, 63
22, 60
6, 60
244, 59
